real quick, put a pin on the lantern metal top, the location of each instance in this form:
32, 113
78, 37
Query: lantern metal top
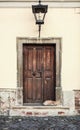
39, 8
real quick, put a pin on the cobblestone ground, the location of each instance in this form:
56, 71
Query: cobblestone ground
40, 123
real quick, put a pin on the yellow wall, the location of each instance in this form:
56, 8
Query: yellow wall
64, 23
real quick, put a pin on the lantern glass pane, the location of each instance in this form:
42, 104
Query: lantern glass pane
39, 18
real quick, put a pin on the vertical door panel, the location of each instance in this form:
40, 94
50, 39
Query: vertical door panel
29, 88
49, 73
39, 89
33, 73
29, 59
27, 73
39, 54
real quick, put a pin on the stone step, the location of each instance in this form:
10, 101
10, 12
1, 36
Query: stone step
39, 110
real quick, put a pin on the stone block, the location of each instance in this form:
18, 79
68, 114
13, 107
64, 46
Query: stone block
69, 100
77, 100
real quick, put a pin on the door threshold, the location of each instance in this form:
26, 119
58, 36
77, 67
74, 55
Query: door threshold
33, 104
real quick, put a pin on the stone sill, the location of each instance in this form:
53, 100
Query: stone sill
40, 107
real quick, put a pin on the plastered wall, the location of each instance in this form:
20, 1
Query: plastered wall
17, 22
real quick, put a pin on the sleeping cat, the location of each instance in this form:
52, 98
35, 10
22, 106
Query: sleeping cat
52, 103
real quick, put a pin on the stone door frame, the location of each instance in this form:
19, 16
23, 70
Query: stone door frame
23, 40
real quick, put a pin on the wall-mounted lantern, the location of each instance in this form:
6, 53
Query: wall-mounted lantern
39, 12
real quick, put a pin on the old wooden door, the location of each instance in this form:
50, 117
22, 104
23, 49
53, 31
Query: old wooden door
38, 73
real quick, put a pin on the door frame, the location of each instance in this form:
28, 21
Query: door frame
23, 40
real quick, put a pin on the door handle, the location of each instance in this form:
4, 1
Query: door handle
36, 73
33, 73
